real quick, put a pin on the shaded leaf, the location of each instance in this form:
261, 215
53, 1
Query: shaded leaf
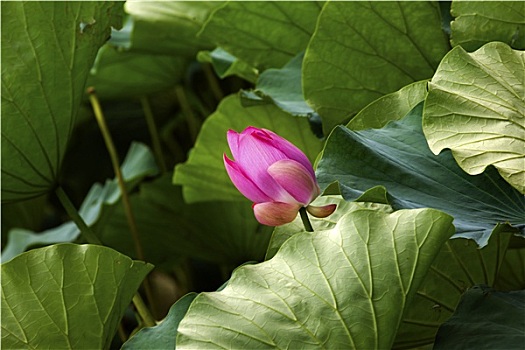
168, 28
204, 177
162, 336
283, 87
47, 51
323, 289
459, 265
480, 22
226, 65
390, 107
123, 74
361, 51
512, 272
398, 158
485, 319
139, 163
43, 308
170, 229
475, 108
276, 31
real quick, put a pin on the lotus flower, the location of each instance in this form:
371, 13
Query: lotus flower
274, 174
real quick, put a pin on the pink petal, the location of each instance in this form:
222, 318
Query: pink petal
321, 212
275, 213
290, 150
254, 157
295, 179
243, 183
233, 142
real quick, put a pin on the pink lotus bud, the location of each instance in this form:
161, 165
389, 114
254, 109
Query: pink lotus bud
272, 173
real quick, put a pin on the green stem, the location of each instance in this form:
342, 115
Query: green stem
85, 231
97, 109
143, 311
193, 122
212, 82
154, 134
306, 222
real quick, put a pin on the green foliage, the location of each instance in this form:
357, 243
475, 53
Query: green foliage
363, 50
489, 123
324, 289
478, 23
485, 318
203, 176
397, 157
45, 64
432, 149
74, 300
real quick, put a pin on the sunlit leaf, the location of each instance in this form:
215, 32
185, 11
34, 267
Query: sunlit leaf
398, 158
264, 34
204, 177
67, 296
390, 107
475, 107
361, 51
47, 51
323, 289
480, 22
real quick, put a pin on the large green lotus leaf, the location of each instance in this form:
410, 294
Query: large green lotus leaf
124, 74
361, 51
459, 265
223, 232
204, 177
398, 158
390, 107
47, 51
340, 288
485, 319
264, 34
480, 22
163, 335
139, 163
67, 296
475, 107
168, 27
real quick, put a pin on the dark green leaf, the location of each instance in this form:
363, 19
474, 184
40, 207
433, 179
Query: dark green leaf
47, 51
226, 65
361, 51
398, 158
475, 107
264, 34
170, 229
138, 164
485, 319
323, 289
67, 296
480, 22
